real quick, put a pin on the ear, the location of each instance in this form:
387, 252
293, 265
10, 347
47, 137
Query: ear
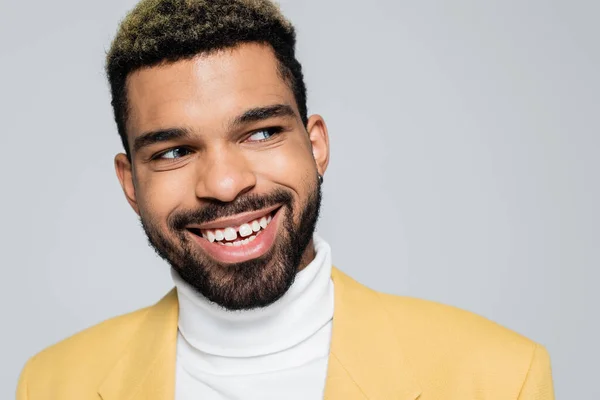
319, 139
125, 175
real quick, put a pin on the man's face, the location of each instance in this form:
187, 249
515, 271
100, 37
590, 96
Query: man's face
223, 173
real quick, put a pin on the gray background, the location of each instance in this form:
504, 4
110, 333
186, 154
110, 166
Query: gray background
464, 168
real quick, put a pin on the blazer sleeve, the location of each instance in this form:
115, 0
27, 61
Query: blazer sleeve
538, 382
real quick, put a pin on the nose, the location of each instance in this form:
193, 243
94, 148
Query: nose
225, 175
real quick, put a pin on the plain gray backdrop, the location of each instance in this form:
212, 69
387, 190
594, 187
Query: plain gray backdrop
464, 167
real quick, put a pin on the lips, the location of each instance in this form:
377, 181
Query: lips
240, 238
236, 236
236, 220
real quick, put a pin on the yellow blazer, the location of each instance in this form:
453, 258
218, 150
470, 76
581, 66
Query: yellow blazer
383, 347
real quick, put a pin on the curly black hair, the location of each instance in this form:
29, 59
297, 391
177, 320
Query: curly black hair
165, 31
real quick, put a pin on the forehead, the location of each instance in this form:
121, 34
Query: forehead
208, 90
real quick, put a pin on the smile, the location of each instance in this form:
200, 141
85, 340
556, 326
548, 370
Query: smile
236, 236
240, 238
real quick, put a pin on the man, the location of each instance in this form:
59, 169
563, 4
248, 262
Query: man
224, 168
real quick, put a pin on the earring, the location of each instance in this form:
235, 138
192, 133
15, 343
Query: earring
321, 179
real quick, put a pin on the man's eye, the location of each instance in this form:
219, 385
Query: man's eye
173, 154
263, 134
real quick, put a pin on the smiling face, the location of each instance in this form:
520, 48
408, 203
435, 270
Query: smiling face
223, 173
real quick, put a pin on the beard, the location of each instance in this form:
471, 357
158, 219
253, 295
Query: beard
245, 285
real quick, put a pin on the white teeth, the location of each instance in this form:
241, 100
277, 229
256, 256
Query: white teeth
263, 222
245, 230
230, 234
210, 236
234, 243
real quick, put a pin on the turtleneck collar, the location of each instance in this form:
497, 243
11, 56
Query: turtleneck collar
304, 309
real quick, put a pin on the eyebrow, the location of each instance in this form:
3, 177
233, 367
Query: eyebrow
261, 113
162, 135
249, 116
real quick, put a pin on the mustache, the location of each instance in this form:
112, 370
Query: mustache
217, 209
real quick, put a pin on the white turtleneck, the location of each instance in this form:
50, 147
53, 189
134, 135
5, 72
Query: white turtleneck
275, 352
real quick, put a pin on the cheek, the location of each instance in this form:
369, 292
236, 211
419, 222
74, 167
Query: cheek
290, 165
162, 193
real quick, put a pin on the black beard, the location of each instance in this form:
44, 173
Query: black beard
249, 284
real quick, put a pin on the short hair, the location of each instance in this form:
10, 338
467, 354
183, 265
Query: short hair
156, 32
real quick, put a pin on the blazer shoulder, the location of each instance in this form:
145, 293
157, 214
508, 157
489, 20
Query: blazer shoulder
453, 335
463, 342
433, 320
83, 354
449, 321
108, 334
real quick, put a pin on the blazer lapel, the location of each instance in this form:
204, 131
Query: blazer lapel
146, 370
366, 360
340, 385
